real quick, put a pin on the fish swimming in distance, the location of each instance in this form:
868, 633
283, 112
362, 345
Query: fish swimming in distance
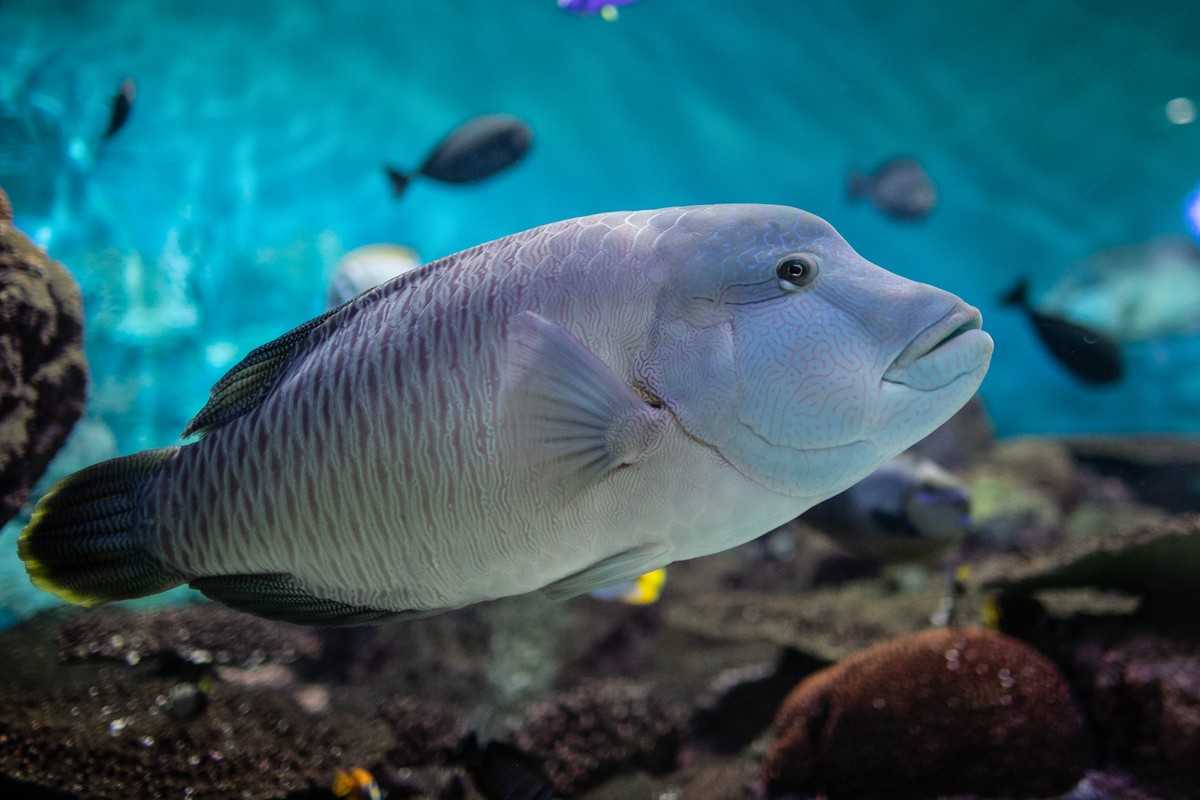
120, 109
899, 187
558, 410
472, 152
1088, 354
910, 509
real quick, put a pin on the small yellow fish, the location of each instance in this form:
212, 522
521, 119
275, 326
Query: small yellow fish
610, 14
356, 784
643, 590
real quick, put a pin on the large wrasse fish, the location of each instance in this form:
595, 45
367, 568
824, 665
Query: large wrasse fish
558, 411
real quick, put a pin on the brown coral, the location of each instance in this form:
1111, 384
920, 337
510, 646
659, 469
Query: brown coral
43, 375
933, 713
598, 730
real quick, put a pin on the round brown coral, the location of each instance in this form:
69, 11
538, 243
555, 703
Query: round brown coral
932, 713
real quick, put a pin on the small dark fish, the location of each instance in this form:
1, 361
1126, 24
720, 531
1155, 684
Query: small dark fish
899, 187
122, 105
475, 150
502, 772
1088, 354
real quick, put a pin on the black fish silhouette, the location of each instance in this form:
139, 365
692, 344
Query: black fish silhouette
1089, 355
475, 150
122, 105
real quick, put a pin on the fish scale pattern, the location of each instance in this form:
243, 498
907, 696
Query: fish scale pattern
380, 442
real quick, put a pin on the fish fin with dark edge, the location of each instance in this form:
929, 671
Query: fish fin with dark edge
1018, 295
252, 378
87, 541
396, 179
623, 566
575, 420
280, 596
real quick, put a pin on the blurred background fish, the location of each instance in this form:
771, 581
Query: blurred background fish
472, 152
899, 187
1091, 356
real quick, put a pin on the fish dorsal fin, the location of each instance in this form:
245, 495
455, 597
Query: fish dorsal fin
251, 380
574, 419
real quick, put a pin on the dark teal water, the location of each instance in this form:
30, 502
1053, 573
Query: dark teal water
251, 161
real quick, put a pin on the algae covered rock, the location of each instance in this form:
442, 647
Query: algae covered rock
934, 713
1159, 561
200, 634
1143, 695
598, 730
43, 375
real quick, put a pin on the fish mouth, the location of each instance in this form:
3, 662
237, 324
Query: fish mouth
956, 335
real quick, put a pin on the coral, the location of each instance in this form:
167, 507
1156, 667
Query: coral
425, 732
43, 374
938, 712
108, 731
200, 634
598, 730
1143, 694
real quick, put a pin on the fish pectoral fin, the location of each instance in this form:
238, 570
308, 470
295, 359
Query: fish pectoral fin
280, 596
575, 421
623, 566
252, 378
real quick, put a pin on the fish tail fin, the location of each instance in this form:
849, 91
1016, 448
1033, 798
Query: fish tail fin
1018, 295
856, 184
87, 540
399, 180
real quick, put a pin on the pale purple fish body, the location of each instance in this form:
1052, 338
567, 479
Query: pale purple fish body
565, 408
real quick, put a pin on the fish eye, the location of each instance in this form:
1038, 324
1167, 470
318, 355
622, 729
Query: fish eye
795, 271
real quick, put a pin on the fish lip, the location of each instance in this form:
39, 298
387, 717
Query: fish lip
958, 320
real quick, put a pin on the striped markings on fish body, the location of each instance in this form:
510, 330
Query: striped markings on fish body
559, 410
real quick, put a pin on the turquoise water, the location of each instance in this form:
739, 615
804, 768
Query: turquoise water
252, 159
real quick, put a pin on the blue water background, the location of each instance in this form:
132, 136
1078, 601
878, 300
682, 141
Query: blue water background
252, 160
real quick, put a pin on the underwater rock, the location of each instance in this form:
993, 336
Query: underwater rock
1143, 695
43, 374
425, 732
1158, 562
6, 212
939, 712
827, 623
741, 702
199, 635
108, 731
1162, 471
597, 730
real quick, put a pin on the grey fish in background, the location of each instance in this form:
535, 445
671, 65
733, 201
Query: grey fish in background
909, 509
1133, 292
475, 150
366, 267
558, 410
122, 106
899, 187
1088, 354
